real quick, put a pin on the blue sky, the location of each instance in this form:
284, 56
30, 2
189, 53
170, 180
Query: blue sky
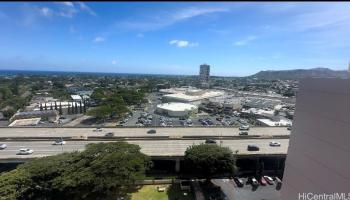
236, 39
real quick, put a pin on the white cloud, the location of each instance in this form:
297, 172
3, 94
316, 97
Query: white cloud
182, 43
322, 17
69, 9
99, 39
196, 11
245, 41
114, 62
86, 8
169, 17
68, 3
45, 11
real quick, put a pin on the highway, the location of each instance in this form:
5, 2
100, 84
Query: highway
164, 148
140, 132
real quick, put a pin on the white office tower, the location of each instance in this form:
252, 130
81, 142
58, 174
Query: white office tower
204, 72
318, 159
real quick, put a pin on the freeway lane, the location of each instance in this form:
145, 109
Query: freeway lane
139, 132
149, 147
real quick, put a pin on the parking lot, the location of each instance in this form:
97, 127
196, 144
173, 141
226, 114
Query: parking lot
232, 191
149, 117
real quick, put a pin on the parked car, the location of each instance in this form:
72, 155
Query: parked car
275, 144
243, 133
252, 147
269, 180
210, 141
244, 127
238, 181
110, 134
289, 128
152, 131
59, 142
263, 181
25, 151
253, 181
3, 146
278, 183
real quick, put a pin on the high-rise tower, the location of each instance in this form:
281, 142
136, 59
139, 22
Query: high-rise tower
204, 72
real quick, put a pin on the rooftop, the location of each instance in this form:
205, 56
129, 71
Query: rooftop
176, 106
194, 96
25, 122
75, 97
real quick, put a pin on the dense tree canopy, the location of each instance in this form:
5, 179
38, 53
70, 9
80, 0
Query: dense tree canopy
102, 171
113, 103
209, 160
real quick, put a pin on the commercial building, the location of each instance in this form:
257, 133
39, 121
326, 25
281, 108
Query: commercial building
65, 107
188, 95
177, 109
76, 98
222, 104
204, 73
278, 122
318, 160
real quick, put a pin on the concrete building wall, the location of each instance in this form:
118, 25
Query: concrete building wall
318, 159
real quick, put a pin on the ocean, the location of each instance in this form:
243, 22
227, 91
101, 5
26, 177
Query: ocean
68, 73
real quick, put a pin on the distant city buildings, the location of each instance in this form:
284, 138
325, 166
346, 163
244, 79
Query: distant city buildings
204, 73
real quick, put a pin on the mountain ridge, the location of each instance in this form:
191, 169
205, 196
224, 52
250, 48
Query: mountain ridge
319, 72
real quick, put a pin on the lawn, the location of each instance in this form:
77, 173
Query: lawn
149, 192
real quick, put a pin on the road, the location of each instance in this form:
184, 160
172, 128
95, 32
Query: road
139, 132
149, 147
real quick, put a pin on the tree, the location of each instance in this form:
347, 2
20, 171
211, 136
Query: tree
8, 113
208, 160
102, 171
80, 108
60, 109
101, 112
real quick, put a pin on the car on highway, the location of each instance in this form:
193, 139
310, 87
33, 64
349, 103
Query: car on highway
110, 134
238, 181
152, 131
97, 130
244, 127
275, 144
269, 180
243, 133
59, 142
25, 152
210, 141
252, 147
3, 146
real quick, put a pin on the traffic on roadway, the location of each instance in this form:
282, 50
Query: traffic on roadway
141, 132
149, 147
